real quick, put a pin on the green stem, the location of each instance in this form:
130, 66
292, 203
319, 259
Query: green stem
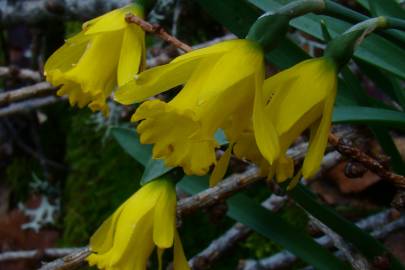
336, 10
341, 48
301, 7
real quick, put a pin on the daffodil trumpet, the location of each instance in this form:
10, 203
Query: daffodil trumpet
145, 221
107, 53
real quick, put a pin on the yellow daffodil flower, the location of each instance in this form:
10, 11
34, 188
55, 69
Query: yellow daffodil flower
106, 53
147, 219
296, 99
220, 85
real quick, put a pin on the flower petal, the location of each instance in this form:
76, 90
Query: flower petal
164, 217
264, 130
222, 165
179, 260
131, 54
318, 140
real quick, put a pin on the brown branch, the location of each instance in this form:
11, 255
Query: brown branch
25, 92
157, 30
356, 260
369, 162
20, 73
28, 105
223, 190
36, 11
71, 261
37, 253
381, 224
231, 237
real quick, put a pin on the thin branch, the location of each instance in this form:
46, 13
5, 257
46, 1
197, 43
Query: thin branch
369, 162
37, 253
71, 261
25, 92
167, 56
380, 223
157, 30
223, 190
357, 261
20, 73
231, 237
28, 105
36, 11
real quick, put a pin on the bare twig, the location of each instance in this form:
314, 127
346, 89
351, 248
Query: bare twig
29, 105
37, 253
166, 57
369, 162
231, 237
218, 193
35, 11
23, 73
285, 258
374, 166
25, 92
357, 261
71, 261
157, 30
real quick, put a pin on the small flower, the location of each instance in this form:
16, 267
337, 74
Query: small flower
147, 219
106, 53
219, 92
296, 99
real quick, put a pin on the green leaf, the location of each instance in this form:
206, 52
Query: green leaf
369, 246
129, 141
368, 115
270, 225
374, 49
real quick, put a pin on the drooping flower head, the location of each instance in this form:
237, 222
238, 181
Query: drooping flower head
296, 99
129, 236
106, 53
219, 92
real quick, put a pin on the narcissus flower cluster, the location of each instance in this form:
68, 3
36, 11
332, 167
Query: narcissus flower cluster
224, 87
107, 53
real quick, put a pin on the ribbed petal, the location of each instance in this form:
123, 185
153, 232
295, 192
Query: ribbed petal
309, 84
220, 169
264, 130
96, 70
154, 81
131, 54
180, 260
111, 21
164, 217
65, 58
319, 139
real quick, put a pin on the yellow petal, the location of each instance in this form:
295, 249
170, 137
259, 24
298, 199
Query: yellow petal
154, 81
285, 168
180, 260
176, 145
102, 240
265, 133
221, 167
111, 21
136, 207
96, 69
131, 54
318, 77
164, 217
318, 140
294, 181
66, 56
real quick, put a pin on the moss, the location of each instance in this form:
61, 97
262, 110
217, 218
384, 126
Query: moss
102, 177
